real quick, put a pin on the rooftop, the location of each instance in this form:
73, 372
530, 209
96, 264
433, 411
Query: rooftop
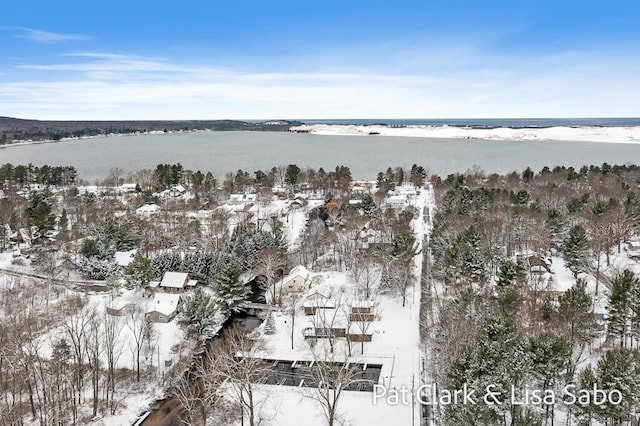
164, 303
174, 279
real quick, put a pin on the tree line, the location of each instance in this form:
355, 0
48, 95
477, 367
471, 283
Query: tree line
22, 175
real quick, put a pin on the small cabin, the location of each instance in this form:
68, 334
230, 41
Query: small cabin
176, 282
164, 307
177, 191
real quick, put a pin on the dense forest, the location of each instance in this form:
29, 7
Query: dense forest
496, 313
14, 129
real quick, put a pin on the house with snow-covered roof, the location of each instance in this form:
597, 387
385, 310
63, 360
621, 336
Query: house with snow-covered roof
176, 282
537, 263
318, 293
128, 188
177, 191
148, 210
297, 281
359, 332
164, 307
317, 300
396, 201
239, 198
362, 310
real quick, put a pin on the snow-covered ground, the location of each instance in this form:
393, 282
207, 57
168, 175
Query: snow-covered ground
5, 259
582, 134
395, 345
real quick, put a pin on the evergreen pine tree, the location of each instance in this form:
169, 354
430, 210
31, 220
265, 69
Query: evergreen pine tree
138, 273
619, 369
97, 269
557, 225
575, 312
200, 315
367, 205
509, 301
64, 221
585, 412
472, 256
497, 359
576, 251
623, 287
550, 357
507, 273
39, 216
231, 293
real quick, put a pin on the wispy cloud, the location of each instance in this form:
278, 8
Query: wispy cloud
47, 37
96, 85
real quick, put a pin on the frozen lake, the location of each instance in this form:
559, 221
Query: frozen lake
222, 152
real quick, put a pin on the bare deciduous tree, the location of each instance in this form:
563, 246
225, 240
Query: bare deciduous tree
94, 342
113, 350
367, 276
239, 367
139, 325
271, 262
330, 375
76, 327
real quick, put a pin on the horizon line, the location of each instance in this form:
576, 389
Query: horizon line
332, 119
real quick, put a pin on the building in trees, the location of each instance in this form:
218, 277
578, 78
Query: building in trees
297, 281
176, 282
164, 307
317, 300
148, 210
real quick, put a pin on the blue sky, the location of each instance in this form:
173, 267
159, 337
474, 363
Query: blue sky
310, 59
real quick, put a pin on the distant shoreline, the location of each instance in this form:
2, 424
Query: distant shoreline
618, 130
106, 135
17, 131
599, 134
